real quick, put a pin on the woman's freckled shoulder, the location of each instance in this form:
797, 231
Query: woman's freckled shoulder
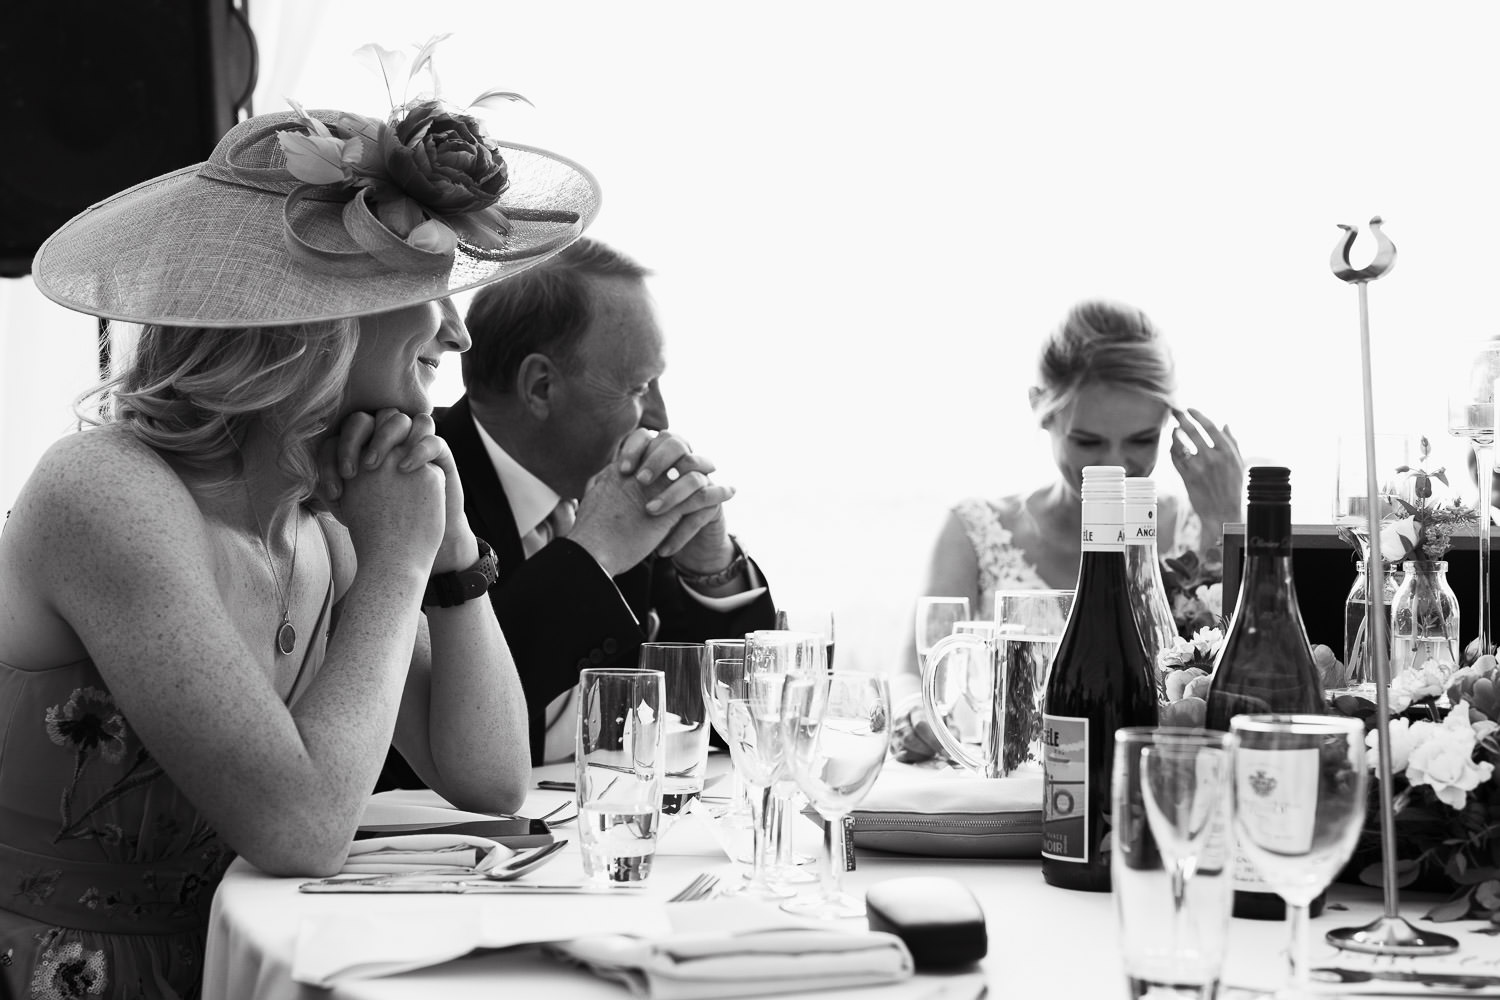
102, 472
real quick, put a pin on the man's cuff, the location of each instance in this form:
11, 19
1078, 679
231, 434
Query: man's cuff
734, 601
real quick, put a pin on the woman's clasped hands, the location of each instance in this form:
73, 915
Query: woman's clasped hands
392, 481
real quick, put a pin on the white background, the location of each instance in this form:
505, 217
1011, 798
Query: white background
863, 218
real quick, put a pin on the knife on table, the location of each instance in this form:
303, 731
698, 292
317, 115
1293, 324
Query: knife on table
382, 885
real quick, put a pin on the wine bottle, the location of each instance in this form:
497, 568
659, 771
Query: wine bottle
1148, 594
1266, 662
1100, 681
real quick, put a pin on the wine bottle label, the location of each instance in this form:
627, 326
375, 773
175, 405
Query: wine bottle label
1103, 526
1276, 794
1140, 523
1065, 788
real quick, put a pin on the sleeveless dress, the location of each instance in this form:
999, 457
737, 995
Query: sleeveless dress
107, 871
1002, 564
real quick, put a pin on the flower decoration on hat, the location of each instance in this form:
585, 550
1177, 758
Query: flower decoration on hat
416, 184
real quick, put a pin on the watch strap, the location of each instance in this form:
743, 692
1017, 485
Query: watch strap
447, 590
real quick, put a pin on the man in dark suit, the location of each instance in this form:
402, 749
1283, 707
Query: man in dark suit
607, 529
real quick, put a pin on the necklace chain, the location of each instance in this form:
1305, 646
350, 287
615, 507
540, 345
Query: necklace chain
286, 632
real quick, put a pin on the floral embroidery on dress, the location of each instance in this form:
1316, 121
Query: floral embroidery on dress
1002, 565
92, 725
36, 887
90, 721
70, 973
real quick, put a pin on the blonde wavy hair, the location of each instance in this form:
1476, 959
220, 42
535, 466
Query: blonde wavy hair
192, 393
1102, 343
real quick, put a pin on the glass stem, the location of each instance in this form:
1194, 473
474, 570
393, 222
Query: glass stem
1297, 948
775, 831
1485, 460
833, 858
760, 807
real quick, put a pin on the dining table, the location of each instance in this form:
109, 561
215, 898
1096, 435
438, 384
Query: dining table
1041, 940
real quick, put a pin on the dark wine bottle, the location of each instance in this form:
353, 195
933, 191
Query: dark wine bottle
1266, 662
1101, 680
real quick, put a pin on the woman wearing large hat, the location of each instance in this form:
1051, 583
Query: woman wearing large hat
219, 603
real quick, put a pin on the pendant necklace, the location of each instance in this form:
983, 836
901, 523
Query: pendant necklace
286, 632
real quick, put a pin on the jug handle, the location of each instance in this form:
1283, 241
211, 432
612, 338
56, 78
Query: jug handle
940, 650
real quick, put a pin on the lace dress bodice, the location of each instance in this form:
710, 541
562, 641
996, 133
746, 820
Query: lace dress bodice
1004, 566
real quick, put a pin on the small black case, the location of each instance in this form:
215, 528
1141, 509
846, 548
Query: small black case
938, 918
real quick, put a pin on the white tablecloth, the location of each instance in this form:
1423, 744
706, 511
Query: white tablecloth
1043, 941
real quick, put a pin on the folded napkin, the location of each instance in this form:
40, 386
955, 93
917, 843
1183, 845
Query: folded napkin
750, 950
402, 809
393, 934
423, 852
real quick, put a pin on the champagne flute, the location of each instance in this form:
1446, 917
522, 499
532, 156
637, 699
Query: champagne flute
789, 654
754, 733
1299, 805
1180, 779
1471, 415
838, 730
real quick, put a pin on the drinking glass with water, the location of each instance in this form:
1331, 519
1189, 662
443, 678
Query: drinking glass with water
619, 764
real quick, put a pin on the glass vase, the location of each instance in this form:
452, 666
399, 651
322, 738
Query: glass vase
1424, 620
1359, 667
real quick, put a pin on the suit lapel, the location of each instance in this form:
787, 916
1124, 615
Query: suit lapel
485, 502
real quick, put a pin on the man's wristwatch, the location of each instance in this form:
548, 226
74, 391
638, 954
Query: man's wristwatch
447, 590
737, 565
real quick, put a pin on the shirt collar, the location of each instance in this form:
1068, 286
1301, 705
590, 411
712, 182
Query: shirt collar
531, 500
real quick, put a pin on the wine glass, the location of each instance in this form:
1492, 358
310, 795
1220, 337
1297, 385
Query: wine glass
1471, 415
757, 743
935, 619
838, 730
1180, 780
1299, 805
787, 653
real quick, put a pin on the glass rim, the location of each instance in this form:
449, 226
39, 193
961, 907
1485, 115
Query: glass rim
621, 672
1166, 735
720, 642
1300, 725
672, 645
1049, 592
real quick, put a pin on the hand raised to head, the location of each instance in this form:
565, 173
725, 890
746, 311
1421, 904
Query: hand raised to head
1213, 472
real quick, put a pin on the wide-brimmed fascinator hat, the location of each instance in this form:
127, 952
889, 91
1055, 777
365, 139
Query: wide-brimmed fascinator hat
306, 216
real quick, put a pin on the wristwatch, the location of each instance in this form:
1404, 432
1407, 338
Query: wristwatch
447, 590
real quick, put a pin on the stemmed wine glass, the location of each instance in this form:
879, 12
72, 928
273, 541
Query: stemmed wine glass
1299, 805
838, 730
1181, 780
1471, 415
789, 654
757, 744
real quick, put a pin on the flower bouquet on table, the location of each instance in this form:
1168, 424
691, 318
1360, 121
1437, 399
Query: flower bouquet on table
1195, 592
1445, 795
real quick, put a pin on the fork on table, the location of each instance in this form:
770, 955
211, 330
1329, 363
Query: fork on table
698, 888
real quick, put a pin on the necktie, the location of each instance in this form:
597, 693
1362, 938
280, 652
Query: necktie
555, 525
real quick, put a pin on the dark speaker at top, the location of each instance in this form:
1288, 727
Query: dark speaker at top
99, 95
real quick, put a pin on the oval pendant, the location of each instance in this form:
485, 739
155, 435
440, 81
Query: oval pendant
286, 637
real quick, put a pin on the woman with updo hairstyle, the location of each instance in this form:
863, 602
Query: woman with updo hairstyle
1106, 387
